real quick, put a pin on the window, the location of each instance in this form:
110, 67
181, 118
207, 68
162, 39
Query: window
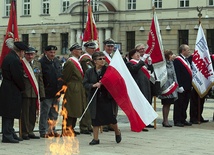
7, 8
131, 4
210, 40
130, 39
95, 5
26, 10
45, 6
211, 2
44, 41
64, 43
65, 5
184, 3
25, 38
158, 3
183, 37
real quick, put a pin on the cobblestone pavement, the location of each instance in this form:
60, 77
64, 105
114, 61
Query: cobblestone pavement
194, 140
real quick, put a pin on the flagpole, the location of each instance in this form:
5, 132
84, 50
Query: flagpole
155, 121
199, 9
91, 22
88, 104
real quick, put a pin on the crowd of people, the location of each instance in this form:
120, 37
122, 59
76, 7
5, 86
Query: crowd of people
30, 85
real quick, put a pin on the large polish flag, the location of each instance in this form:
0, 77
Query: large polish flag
202, 69
123, 88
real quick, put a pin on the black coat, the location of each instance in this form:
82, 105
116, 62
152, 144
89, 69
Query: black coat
140, 78
182, 74
11, 87
52, 71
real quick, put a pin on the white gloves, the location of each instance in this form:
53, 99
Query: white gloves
180, 89
149, 60
145, 56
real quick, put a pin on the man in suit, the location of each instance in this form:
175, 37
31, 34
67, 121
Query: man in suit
75, 96
11, 92
184, 77
52, 73
86, 63
34, 90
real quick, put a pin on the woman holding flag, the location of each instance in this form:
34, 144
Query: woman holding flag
101, 107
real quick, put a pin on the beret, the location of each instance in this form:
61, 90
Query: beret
109, 41
90, 44
21, 45
75, 46
31, 50
50, 47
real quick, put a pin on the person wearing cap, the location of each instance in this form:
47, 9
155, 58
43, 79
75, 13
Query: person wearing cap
52, 73
11, 91
108, 52
108, 49
75, 96
86, 63
34, 90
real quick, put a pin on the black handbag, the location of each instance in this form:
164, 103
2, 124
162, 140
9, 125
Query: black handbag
155, 88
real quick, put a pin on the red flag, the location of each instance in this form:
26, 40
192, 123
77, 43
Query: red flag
90, 33
123, 88
12, 32
155, 49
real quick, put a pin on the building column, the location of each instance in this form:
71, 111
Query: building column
78, 38
101, 38
107, 33
72, 36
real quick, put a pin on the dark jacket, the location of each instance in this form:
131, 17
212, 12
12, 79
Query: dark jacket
182, 74
29, 91
52, 71
140, 78
91, 78
11, 87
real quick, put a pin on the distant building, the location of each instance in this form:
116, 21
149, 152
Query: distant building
60, 22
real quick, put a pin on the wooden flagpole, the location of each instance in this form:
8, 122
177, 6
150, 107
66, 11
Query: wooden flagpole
199, 9
155, 121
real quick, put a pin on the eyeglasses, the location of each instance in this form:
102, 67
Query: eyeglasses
101, 59
141, 49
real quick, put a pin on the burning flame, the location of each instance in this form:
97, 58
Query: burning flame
68, 144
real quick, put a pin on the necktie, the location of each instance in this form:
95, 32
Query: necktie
31, 64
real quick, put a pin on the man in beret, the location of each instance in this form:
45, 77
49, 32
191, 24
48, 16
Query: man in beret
52, 73
108, 49
34, 90
11, 91
75, 93
86, 63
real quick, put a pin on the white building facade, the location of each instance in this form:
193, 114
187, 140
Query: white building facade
61, 22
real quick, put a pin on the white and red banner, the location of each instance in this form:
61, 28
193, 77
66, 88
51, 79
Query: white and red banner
90, 33
156, 51
11, 33
202, 70
123, 88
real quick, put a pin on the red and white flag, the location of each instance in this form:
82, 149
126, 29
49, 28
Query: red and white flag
156, 51
202, 70
90, 33
11, 33
123, 88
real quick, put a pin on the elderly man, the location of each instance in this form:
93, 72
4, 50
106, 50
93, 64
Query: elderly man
86, 63
108, 49
52, 72
11, 91
75, 93
34, 90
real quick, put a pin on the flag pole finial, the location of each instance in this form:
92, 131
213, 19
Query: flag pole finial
199, 9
